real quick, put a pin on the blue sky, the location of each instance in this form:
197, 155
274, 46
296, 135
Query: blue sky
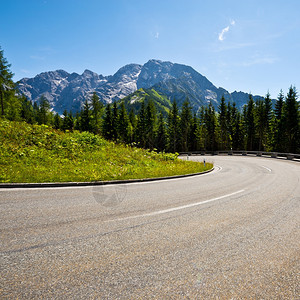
253, 46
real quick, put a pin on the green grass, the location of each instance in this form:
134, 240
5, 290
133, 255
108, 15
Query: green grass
33, 153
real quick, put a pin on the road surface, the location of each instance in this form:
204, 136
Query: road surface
231, 234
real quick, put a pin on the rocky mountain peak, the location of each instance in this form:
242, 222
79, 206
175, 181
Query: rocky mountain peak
175, 81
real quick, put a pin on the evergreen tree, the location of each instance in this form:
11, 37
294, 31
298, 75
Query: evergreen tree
44, 111
223, 121
123, 124
201, 133
27, 110
142, 126
96, 113
57, 123
6, 82
77, 121
211, 127
161, 138
291, 116
194, 133
68, 121
36, 111
249, 124
107, 123
13, 105
279, 136
132, 126
173, 128
260, 122
185, 126
237, 133
85, 117
115, 117
150, 123
268, 117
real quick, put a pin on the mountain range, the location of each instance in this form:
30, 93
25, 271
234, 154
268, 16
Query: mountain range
168, 81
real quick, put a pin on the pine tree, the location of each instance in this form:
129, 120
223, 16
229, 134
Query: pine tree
161, 138
68, 121
13, 105
96, 113
268, 117
107, 123
223, 121
123, 124
115, 117
44, 111
150, 123
194, 133
211, 127
141, 126
291, 116
279, 136
132, 126
57, 124
36, 111
260, 122
249, 124
237, 134
85, 117
77, 121
27, 110
173, 128
202, 136
185, 126
6, 82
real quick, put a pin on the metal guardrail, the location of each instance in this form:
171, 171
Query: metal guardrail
289, 156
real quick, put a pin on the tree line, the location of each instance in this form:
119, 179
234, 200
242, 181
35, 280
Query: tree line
261, 125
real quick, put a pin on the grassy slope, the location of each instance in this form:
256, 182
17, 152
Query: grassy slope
134, 101
40, 154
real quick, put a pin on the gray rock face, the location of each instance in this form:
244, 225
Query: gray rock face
68, 91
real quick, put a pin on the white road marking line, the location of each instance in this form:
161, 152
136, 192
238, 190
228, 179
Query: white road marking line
267, 169
164, 211
220, 168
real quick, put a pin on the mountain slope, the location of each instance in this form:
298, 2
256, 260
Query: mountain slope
134, 100
175, 81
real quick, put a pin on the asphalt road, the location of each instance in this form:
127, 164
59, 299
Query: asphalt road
231, 234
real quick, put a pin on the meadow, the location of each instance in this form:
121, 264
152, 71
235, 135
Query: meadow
38, 153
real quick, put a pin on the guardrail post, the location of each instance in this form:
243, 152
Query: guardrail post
274, 155
258, 153
290, 156
244, 153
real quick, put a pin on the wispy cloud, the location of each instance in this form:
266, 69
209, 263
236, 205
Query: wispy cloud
224, 30
234, 46
156, 35
259, 61
25, 71
37, 57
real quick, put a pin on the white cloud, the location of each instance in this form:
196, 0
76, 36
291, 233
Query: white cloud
221, 34
157, 35
224, 30
37, 57
25, 71
259, 61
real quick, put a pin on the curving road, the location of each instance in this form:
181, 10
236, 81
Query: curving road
233, 233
